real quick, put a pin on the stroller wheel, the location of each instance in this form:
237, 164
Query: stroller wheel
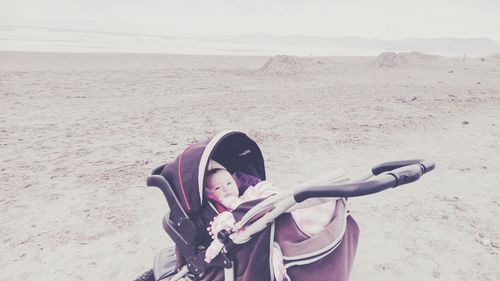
146, 276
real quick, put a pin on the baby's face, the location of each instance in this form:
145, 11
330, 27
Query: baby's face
222, 185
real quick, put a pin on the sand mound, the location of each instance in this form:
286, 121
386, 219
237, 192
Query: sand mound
290, 65
391, 59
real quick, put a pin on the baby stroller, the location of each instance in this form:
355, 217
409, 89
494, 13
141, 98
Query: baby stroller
262, 226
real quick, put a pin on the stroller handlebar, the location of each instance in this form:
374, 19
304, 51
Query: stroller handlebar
411, 173
398, 176
389, 166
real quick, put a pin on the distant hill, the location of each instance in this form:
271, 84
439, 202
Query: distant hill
24, 38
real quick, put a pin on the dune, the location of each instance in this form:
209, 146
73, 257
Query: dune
403, 59
291, 65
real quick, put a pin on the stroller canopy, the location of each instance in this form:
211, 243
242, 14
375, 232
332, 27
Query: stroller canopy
186, 174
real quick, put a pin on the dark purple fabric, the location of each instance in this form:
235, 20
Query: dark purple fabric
182, 174
251, 261
244, 180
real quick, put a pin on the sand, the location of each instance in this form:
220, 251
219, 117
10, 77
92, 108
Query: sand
81, 132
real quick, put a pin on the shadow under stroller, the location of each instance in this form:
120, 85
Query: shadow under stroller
263, 225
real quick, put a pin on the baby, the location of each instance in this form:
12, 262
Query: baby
223, 190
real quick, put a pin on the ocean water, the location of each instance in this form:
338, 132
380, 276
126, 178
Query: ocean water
33, 39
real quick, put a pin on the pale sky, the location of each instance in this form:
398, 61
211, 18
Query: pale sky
370, 19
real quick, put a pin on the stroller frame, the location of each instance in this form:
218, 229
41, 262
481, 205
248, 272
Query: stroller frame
182, 228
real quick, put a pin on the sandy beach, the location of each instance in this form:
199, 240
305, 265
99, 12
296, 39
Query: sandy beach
79, 134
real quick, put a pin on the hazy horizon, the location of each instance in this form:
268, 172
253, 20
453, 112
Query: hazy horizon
24, 38
225, 26
238, 34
